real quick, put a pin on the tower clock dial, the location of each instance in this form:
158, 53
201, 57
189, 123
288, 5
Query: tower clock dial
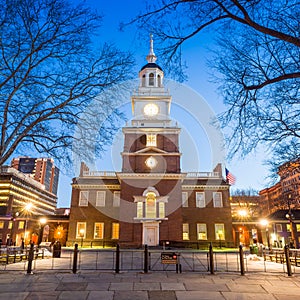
151, 162
151, 110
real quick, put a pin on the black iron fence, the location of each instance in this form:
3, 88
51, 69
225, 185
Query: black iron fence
151, 260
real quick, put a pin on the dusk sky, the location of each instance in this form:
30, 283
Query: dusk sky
249, 172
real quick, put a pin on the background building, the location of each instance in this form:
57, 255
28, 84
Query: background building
22, 201
42, 170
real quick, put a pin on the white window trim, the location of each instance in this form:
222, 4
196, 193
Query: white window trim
185, 230
185, 197
83, 198
202, 200
218, 225
100, 201
102, 233
116, 199
198, 231
214, 199
78, 236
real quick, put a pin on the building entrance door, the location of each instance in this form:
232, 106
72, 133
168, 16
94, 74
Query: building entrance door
151, 234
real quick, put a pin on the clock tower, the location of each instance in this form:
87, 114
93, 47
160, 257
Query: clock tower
151, 174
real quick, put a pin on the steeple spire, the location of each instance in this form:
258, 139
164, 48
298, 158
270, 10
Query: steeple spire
151, 57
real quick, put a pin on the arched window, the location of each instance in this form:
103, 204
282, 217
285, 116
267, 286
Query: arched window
150, 205
158, 80
144, 80
151, 79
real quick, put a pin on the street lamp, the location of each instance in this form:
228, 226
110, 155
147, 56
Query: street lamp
81, 232
265, 223
43, 221
27, 208
290, 217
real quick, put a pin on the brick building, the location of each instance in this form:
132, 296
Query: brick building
150, 201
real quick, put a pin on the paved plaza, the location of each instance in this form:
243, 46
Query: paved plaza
46, 285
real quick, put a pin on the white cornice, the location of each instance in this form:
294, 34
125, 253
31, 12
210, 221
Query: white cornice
97, 186
170, 176
160, 130
205, 187
151, 153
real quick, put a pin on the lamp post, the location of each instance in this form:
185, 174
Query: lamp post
290, 217
43, 221
28, 208
265, 223
81, 232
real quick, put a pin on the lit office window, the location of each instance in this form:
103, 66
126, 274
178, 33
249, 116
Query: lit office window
115, 231
98, 230
185, 231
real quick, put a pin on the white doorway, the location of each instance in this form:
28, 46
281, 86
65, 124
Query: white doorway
151, 233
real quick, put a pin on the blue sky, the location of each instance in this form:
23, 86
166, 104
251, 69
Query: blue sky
250, 172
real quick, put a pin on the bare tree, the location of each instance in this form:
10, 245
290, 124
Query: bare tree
257, 63
50, 69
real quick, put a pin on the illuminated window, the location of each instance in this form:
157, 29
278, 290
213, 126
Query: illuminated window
185, 231
100, 199
139, 210
116, 199
161, 209
151, 140
115, 231
10, 225
1, 224
83, 198
201, 232
298, 227
151, 206
184, 198
200, 199
219, 232
288, 227
21, 225
217, 199
98, 230
80, 230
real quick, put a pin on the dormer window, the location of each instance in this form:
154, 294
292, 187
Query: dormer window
151, 79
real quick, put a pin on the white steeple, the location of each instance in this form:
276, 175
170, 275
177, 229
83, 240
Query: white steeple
151, 57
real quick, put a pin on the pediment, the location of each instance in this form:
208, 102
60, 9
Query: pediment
151, 150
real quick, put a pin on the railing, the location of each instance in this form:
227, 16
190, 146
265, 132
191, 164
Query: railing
203, 174
202, 261
99, 173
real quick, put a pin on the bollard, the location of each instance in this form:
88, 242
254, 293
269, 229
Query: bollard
117, 269
211, 259
287, 259
30, 259
146, 264
75, 259
242, 263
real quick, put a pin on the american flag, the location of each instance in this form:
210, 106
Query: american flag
230, 178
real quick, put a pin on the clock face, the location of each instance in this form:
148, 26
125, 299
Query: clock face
151, 110
151, 162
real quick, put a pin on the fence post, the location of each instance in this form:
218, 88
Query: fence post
242, 263
287, 259
75, 259
146, 265
117, 259
30, 259
211, 259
